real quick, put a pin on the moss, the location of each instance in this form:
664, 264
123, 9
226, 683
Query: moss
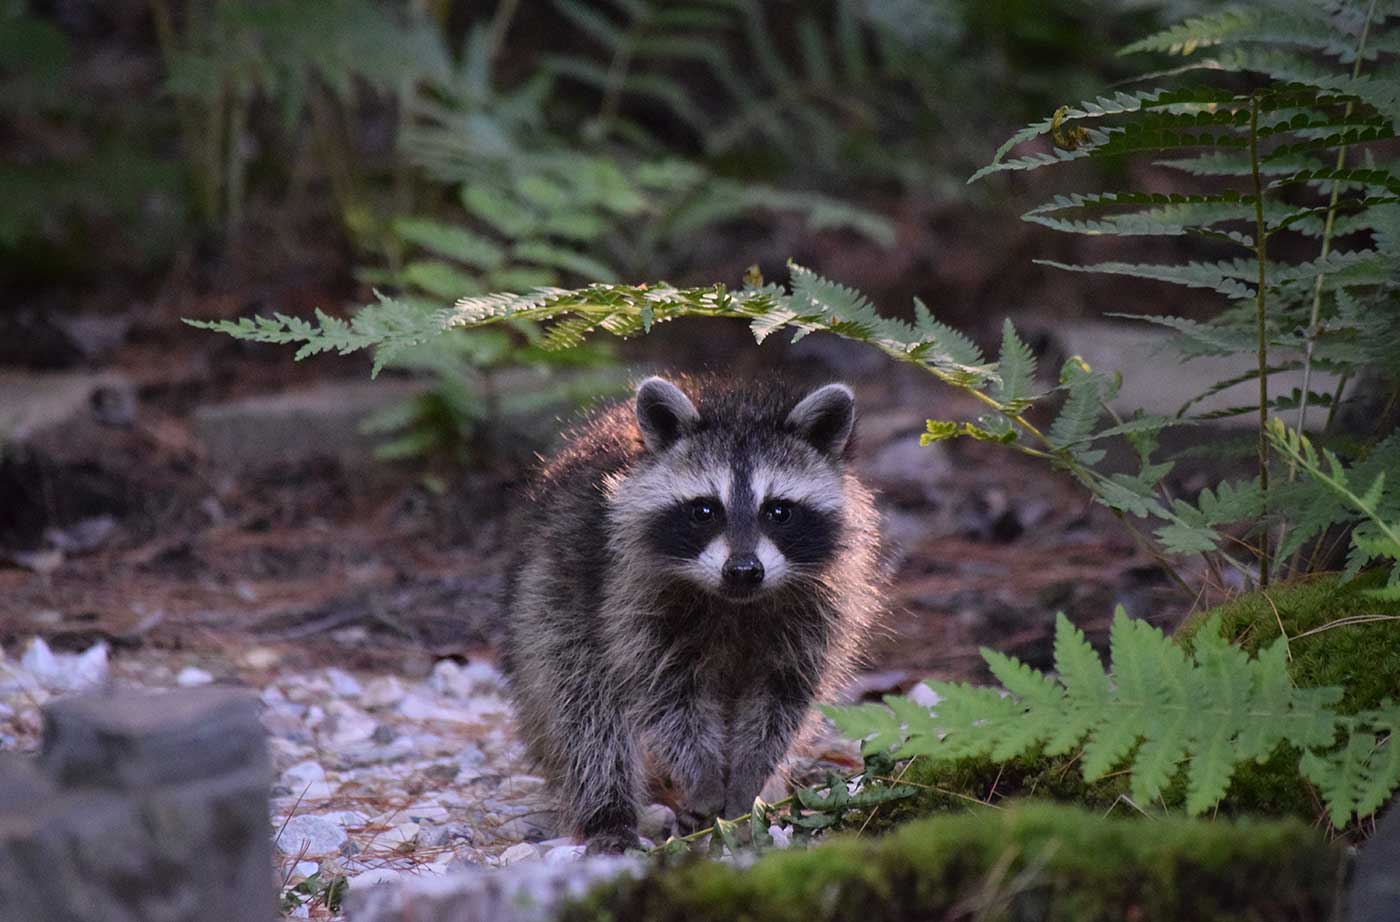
1364, 659
1033, 861
962, 785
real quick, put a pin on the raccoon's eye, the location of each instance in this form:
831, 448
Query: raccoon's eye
777, 512
702, 511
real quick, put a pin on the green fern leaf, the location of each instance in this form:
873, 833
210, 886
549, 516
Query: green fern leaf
1016, 366
1225, 277
1080, 414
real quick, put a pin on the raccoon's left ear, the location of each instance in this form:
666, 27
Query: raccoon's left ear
825, 418
663, 412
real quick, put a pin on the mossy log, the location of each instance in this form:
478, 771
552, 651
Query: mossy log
1029, 863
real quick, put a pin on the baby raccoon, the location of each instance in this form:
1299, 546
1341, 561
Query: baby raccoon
692, 574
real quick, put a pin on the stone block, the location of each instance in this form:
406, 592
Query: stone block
140, 808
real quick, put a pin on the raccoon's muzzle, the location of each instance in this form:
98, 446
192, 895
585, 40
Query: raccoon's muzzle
742, 574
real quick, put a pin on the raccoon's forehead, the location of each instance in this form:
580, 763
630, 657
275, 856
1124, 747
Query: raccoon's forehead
733, 474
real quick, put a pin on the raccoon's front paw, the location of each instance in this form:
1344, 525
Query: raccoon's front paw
612, 843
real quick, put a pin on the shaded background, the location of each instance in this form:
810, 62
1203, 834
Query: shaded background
173, 491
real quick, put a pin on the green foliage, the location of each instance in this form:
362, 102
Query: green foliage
1159, 710
1047, 862
1282, 163
834, 91
67, 165
318, 889
1358, 495
303, 58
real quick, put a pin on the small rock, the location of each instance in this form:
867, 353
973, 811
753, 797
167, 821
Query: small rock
347, 725
429, 812
535, 826
564, 854
371, 877
260, 658
523, 851
782, 835
343, 683
923, 695
318, 835
82, 537
306, 868
193, 677
382, 691
658, 821
392, 840
66, 672
303, 773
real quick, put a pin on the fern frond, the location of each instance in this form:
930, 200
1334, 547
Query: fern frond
1016, 366
1160, 712
1225, 277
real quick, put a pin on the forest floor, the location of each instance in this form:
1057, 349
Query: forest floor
362, 599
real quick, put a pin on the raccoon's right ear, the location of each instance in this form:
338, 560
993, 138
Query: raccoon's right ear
663, 412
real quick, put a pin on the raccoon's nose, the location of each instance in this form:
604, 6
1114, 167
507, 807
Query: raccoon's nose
743, 571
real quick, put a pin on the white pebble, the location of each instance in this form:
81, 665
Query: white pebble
921, 694
192, 677
66, 672
382, 692
565, 854
343, 683
521, 851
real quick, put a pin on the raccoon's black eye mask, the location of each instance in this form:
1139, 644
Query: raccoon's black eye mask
705, 511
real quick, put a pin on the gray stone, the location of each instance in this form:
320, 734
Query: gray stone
136, 740
152, 808
1156, 381
32, 404
311, 835
528, 891
521, 851
298, 426
1375, 888
658, 822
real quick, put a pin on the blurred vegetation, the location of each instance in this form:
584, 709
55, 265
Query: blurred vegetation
582, 141
449, 149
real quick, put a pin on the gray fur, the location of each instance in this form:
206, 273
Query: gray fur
625, 662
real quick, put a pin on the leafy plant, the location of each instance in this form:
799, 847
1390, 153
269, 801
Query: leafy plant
67, 164
1278, 164
831, 92
1352, 496
1158, 709
807, 812
304, 58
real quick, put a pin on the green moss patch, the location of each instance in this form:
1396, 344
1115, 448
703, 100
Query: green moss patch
1364, 658
1032, 861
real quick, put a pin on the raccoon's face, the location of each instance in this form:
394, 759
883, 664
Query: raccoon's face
741, 501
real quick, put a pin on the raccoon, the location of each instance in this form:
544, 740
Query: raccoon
692, 574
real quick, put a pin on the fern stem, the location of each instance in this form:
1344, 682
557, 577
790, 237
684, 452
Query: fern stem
1315, 315
1261, 246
